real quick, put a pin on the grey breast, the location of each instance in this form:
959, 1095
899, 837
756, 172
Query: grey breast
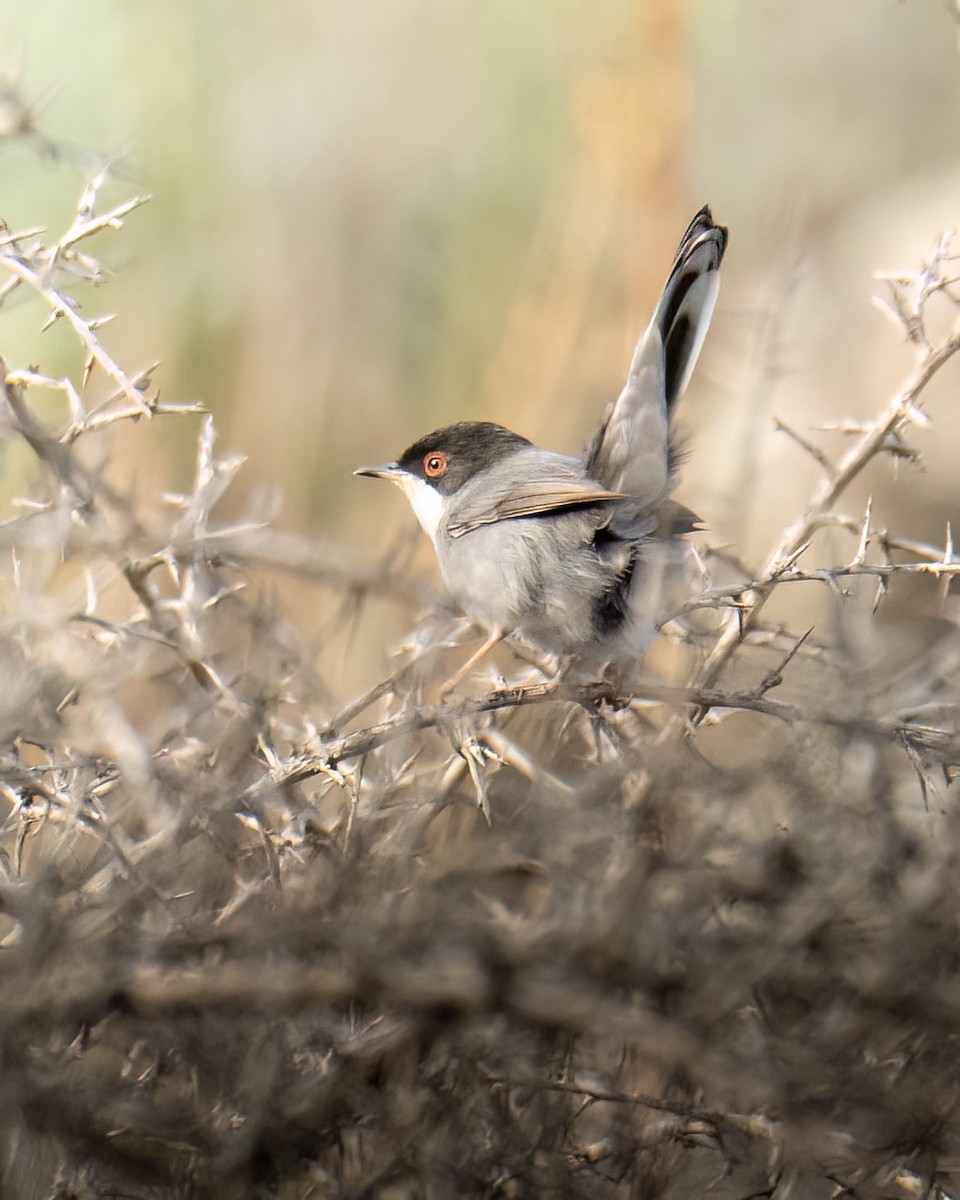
539, 574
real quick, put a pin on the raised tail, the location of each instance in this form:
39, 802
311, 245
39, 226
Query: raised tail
630, 451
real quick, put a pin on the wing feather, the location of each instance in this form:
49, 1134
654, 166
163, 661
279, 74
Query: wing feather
530, 498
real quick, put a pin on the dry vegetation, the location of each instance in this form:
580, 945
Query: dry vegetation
698, 941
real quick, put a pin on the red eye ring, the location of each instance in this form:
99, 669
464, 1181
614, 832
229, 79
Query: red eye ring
435, 464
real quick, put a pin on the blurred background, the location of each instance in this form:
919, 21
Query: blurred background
371, 219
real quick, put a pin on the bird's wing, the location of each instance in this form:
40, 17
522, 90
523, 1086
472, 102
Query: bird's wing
528, 498
630, 452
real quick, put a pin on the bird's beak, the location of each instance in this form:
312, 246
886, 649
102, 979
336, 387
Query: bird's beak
391, 471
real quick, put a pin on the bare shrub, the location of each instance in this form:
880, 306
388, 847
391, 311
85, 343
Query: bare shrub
701, 940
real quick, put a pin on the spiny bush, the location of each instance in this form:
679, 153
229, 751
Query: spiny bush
696, 940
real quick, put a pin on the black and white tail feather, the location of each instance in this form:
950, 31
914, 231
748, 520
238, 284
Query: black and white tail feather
630, 452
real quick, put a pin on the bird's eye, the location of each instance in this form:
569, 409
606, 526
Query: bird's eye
435, 464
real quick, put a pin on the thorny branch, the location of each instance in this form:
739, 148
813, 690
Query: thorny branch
32, 264
885, 435
250, 932
944, 743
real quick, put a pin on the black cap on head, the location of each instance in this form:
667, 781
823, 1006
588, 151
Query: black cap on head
448, 457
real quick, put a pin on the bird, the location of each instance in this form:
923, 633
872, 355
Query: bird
573, 553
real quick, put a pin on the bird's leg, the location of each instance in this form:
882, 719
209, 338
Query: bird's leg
494, 638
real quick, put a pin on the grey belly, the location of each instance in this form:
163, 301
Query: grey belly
546, 580
539, 576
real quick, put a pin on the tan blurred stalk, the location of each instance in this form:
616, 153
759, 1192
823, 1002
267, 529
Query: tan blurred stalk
624, 193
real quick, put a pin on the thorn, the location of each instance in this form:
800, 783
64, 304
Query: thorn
814, 451
782, 567
916, 415
270, 755
889, 310
472, 753
774, 677
860, 557
948, 561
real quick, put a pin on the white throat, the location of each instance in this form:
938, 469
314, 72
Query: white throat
425, 501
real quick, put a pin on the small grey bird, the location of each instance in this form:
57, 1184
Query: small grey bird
574, 554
